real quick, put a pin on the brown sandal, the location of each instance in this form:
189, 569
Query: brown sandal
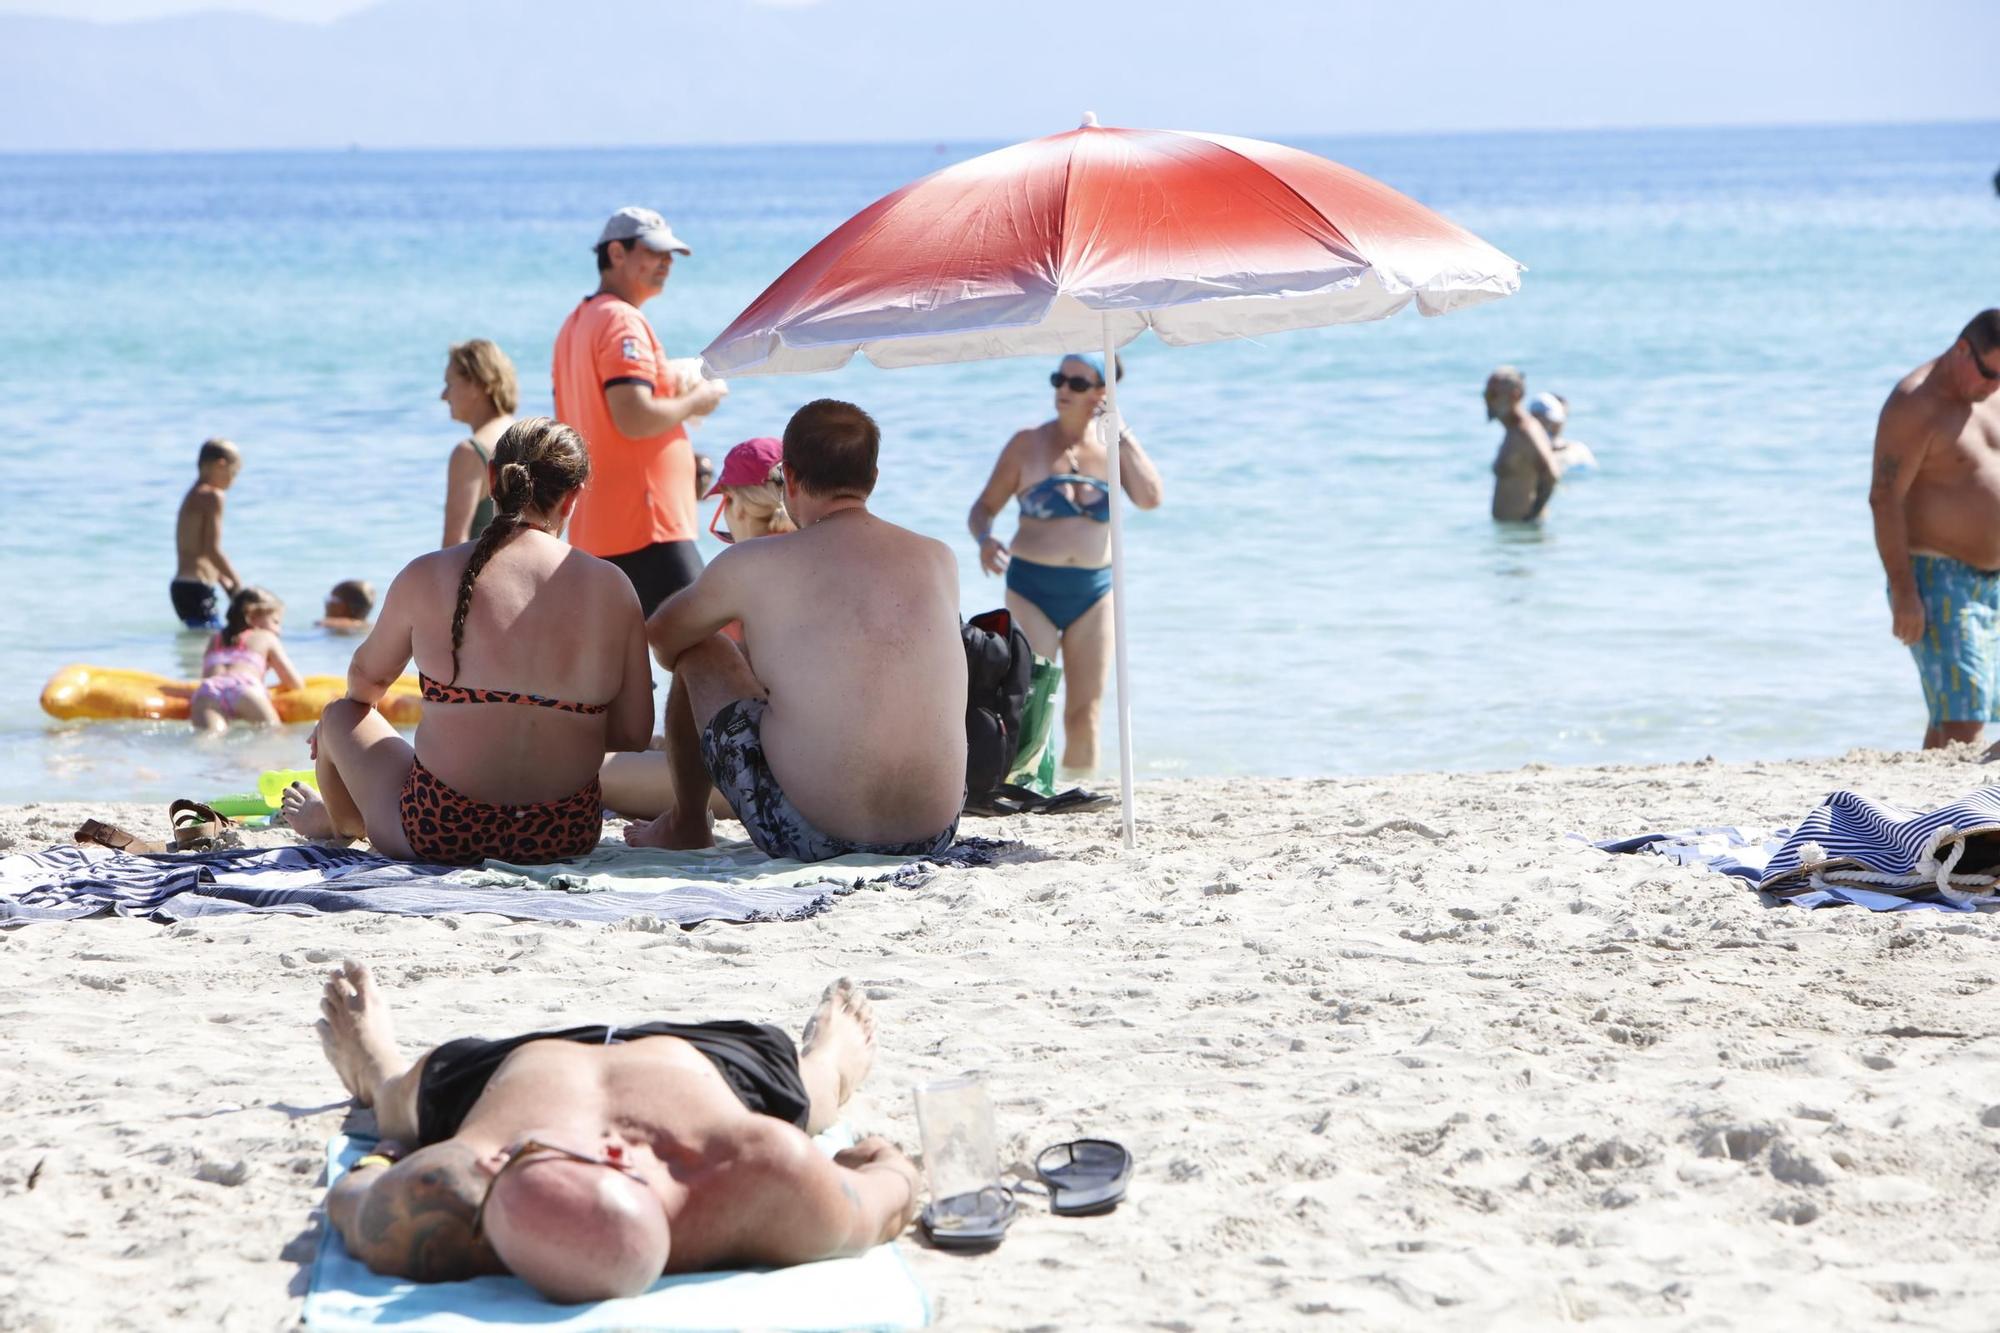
197, 827
101, 834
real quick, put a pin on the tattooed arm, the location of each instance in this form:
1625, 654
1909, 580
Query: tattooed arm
414, 1219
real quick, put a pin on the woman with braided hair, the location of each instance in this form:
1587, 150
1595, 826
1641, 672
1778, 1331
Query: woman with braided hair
533, 661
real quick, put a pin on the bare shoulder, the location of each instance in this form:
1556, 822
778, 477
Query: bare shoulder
604, 579
1912, 404
202, 500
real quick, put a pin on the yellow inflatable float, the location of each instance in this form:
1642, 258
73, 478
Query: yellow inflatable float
108, 693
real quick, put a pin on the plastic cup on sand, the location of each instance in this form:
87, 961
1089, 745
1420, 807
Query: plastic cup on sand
961, 1151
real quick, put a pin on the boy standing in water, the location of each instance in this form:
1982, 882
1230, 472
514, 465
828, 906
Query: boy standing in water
200, 563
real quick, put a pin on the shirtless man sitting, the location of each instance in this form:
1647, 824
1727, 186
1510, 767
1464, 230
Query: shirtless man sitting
1936, 501
849, 735
1525, 470
590, 1160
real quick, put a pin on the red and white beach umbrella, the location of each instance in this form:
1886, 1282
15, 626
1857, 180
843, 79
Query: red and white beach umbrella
1079, 242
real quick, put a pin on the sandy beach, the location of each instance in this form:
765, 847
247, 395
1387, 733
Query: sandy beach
1388, 1051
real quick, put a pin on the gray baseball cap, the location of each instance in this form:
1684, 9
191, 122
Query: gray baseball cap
644, 226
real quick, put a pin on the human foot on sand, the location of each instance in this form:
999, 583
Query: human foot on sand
355, 1032
842, 1029
669, 833
302, 809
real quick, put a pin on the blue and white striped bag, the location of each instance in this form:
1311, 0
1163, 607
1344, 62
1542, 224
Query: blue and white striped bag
1851, 841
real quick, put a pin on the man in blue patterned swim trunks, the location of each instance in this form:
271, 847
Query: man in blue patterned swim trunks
1936, 501
839, 725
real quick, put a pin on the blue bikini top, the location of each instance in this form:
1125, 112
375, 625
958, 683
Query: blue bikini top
1049, 498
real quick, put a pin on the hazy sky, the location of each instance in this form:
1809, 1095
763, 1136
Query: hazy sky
387, 73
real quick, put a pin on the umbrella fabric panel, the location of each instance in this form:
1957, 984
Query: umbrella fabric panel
1022, 251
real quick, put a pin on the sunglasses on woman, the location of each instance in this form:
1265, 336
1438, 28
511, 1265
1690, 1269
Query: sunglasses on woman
1076, 383
527, 1148
715, 528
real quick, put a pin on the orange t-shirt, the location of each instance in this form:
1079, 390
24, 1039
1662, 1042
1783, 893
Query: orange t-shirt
640, 491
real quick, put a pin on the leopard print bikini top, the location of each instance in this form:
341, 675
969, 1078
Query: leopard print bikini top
434, 693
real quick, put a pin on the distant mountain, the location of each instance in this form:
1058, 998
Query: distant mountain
422, 73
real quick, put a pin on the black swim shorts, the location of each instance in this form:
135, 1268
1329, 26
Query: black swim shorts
758, 1062
195, 603
659, 571
732, 749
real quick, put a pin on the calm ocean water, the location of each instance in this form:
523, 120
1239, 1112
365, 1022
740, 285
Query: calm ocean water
1322, 593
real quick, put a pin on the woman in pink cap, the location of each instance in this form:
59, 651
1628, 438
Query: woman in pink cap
752, 489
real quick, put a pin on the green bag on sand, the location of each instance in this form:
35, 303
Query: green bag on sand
1035, 758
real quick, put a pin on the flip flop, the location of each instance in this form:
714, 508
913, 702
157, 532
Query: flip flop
196, 826
970, 1223
1084, 1176
101, 834
1077, 801
1010, 799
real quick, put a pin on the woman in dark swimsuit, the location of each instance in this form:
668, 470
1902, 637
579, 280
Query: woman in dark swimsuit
526, 685
480, 390
1059, 566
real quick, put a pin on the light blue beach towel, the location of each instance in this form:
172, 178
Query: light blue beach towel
871, 1291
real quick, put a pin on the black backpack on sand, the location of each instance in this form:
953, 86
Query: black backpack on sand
999, 671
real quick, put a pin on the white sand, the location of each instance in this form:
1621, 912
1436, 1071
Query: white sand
1374, 1078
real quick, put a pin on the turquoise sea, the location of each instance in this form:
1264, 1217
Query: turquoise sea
1322, 592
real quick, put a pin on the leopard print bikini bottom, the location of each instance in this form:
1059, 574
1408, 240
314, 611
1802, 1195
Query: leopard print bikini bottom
446, 827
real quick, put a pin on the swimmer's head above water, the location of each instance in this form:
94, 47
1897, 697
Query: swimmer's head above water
218, 462
1505, 387
1551, 409
350, 599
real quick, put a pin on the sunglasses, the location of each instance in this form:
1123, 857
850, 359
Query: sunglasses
1076, 383
1984, 373
527, 1148
715, 528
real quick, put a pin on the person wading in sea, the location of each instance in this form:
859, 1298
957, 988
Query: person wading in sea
1936, 501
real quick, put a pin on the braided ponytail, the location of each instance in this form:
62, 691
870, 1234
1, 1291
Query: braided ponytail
537, 463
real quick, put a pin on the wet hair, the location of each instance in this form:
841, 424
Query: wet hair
1983, 331
830, 447
765, 503
246, 603
483, 363
356, 597
537, 462
215, 449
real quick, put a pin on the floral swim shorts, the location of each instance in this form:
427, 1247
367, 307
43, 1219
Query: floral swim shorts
732, 745
1958, 657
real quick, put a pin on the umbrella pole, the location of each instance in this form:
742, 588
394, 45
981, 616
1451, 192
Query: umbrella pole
1124, 684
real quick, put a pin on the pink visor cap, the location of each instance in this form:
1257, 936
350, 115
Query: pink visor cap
749, 464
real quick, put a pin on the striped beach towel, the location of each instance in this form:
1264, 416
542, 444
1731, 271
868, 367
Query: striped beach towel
1852, 841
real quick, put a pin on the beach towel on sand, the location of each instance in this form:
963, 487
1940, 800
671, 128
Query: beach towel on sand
1745, 855
875, 1290
730, 882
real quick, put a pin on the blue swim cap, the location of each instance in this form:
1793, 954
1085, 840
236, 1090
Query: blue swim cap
1095, 362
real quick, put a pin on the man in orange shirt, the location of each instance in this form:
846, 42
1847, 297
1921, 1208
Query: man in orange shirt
613, 385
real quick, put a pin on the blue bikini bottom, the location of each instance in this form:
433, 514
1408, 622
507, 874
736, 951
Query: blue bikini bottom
1060, 592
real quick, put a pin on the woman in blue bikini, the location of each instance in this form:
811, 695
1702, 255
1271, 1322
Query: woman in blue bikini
1058, 567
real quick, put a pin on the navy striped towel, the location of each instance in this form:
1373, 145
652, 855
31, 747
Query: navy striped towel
1851, 841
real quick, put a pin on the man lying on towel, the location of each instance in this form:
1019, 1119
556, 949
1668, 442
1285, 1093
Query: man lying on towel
588, 1161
